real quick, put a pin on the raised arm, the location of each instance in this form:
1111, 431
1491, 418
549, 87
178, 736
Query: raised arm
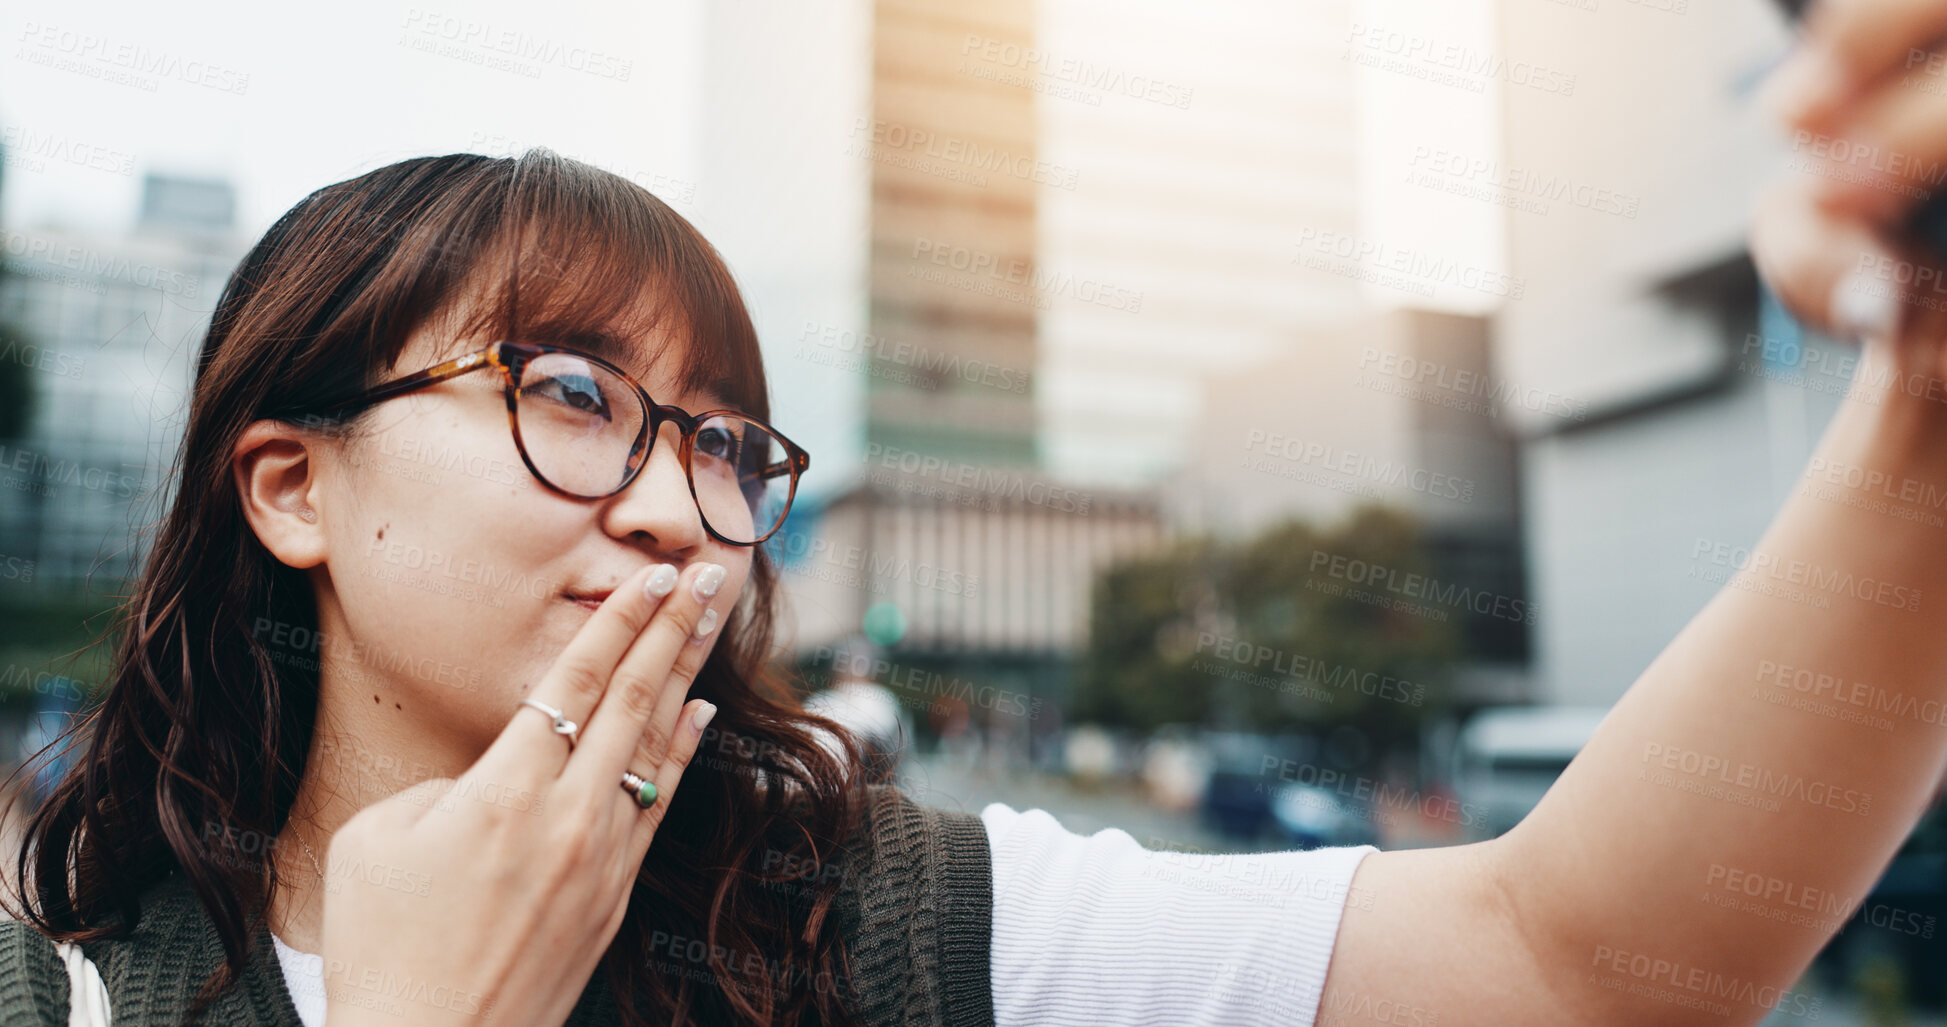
1718, 829
1707, 780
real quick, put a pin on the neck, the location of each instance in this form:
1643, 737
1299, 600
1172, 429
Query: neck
357, 757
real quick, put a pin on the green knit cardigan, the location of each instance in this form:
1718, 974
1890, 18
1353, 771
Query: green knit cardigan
916, 911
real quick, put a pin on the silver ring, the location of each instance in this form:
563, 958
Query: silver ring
562, 725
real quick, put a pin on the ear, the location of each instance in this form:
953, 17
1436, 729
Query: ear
278, 484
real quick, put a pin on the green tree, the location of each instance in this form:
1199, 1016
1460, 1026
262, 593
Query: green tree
1137, 671
1296, 628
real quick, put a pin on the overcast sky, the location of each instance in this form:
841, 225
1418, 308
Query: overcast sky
279, 103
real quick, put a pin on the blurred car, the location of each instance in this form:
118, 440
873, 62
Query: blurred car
1175, 766
1895, 942
1311, 817
1088, 754
1244, 779
1505, 759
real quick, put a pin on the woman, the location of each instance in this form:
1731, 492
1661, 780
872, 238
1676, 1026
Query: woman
439, 702
355, 599
473, 486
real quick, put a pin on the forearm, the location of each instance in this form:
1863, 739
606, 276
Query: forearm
1713, 776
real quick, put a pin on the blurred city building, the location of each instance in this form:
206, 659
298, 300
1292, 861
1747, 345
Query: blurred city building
1664, 422
1397, 408
1210, 286
1199, 144
978, 584
1069, 230
954, 281
109, 328
944, 539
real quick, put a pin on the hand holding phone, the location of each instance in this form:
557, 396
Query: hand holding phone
1845, 242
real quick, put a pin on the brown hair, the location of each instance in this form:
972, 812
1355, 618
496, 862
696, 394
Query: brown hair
200, 726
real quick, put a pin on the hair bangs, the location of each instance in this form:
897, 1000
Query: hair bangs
585, 258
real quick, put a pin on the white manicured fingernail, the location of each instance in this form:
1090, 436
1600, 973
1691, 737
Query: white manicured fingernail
701, 718
660, 581
709, 622
709, 580
1864, 308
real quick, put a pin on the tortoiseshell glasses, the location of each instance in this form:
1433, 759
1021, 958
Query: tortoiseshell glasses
584, 428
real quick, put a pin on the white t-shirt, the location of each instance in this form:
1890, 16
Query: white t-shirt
1092, 929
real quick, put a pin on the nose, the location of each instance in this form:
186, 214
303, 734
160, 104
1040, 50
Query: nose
657, 505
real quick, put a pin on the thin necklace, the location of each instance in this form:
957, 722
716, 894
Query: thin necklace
314, 858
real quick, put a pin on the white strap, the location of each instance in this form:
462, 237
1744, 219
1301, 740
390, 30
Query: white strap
88, 996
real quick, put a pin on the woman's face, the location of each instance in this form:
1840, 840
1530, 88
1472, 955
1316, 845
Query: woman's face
455, 578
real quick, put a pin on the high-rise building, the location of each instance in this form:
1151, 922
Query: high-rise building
1643, 314
1049, 228
1200, 146
934, 533
109, 328
955, 280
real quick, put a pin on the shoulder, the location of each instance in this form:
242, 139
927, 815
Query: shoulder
33, 979
1099, 927
916, 905
902, 851
898, 827
153, 968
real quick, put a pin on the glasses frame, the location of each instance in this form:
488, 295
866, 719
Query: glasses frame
512, 358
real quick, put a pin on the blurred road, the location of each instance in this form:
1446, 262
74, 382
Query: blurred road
970, 783
962, 782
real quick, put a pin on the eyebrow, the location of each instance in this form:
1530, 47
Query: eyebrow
623, 353
605, 344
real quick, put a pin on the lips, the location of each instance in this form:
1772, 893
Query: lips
594, 597
589, 600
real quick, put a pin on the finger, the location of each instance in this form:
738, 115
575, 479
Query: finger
695, 717
1849, 46
674, 719
1888, 156
642, 680
653, 741
1823, 265
528, 750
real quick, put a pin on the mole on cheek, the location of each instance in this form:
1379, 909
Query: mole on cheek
382, 528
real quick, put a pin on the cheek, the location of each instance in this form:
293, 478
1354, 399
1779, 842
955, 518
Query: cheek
739, 568
446, 605
421, 530
444, 491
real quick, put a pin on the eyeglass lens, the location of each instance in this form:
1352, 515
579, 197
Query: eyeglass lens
583, 428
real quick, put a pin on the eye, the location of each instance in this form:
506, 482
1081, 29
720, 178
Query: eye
576, 391
718, 442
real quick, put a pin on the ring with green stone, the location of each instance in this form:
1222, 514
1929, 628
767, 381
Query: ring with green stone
643, 790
